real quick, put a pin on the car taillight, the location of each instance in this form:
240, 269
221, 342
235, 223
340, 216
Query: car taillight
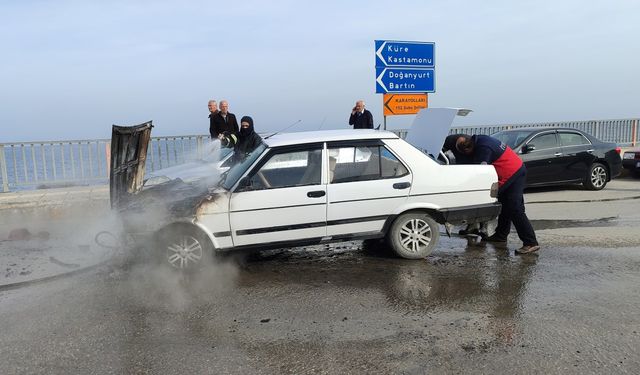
618, 150
494, 190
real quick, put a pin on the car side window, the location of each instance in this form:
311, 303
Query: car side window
288, 169
573, 139
363, 163
544, 141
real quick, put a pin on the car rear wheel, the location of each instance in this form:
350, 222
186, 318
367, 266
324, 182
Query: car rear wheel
184, 247
414, 235
597, 177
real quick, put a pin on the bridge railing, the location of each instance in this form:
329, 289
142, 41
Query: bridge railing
624, 132
25, 165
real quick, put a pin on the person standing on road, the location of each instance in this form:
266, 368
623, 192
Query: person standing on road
360, 117
248, 140
224, 121
512, 173
213, 110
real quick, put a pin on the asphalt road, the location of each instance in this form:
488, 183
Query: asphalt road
343, 309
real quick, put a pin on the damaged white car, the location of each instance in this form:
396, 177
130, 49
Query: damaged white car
299, 189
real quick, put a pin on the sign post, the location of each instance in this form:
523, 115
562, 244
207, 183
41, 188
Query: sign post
405, 73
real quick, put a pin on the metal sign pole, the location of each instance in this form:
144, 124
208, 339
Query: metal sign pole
385, 122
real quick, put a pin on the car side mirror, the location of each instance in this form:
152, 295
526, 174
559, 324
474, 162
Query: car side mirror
528, 148
245, 184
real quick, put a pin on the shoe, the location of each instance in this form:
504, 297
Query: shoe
496, 238
528, 249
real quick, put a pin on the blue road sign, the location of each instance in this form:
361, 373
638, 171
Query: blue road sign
399, 80
391, 53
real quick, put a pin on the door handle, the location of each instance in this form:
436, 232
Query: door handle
590, 151
558, 154
316, 194
401, 185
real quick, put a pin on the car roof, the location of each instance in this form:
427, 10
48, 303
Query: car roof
539, 129
286, 139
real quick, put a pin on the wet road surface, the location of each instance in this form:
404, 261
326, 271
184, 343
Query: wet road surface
337, 309
342, 309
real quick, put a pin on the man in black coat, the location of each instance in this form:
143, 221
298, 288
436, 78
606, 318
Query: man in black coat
223, 121
213, 111
361, 118
248, 140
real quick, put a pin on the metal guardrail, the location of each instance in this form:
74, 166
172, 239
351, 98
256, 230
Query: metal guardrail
624, 132
59, 163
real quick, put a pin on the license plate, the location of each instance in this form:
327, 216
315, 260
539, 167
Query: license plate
638, 164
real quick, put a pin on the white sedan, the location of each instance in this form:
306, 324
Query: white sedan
315, 187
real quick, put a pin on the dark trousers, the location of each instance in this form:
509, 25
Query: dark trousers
510, 195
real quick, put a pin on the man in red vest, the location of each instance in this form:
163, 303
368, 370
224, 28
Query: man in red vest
483, 149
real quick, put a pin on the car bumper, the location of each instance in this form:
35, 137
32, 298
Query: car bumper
633, 164
469, 214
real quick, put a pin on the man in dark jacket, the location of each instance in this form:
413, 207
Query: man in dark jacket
248, 140
361, 118
450, 145
223, 121
484, 149
213, 110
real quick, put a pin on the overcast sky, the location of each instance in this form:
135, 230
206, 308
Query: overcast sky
70, 69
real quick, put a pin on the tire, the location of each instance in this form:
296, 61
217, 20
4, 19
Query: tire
183, 247
414, 235
597, 177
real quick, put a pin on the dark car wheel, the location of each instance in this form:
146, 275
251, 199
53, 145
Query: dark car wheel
597, 177
183, 247
414, 235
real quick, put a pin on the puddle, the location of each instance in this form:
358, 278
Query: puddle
557, 224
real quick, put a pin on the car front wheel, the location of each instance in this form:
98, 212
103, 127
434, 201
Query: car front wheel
414, 235
184, 247
597, 177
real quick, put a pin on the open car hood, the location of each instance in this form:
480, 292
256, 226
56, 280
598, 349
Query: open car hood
128, 157
430, 128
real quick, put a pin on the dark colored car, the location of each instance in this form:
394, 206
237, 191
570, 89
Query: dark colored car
631, 161
556, 156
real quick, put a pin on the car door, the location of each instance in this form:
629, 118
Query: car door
543, 159
281, 199
577, 154
366, 182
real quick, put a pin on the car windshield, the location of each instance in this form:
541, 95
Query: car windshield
512, 138
230, 177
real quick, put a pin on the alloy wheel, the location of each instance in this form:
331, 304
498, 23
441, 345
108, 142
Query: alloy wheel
415, 235
598, 177
184, 251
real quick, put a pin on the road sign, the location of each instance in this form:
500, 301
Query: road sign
404, 80
404, 104
391, 53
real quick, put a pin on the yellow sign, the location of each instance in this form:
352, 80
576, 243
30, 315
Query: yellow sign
403, 104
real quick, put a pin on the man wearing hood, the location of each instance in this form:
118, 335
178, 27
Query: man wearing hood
248, 140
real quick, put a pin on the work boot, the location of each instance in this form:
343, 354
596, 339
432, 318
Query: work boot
496, 238
528, 249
